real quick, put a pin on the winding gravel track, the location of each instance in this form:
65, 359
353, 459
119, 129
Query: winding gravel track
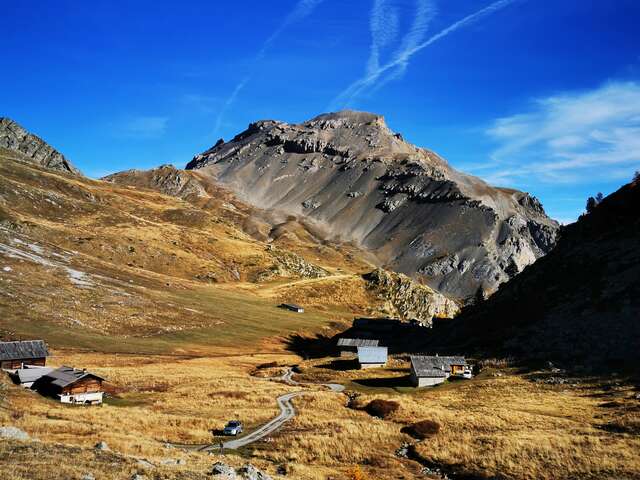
287, 412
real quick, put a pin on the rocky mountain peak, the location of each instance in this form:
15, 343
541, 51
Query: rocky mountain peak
358, 181
33, 148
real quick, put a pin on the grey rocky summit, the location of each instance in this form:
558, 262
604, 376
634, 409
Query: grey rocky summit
350, 175
14, 137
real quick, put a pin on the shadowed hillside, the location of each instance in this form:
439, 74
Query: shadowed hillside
580, 304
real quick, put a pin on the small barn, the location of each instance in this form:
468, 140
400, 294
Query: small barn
17, 354
26, 377
71, 385
428, 371
372, 357
349, 346
293, 307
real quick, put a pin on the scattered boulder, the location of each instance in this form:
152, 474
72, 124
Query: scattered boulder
403, 451
249, 472
223, 471
14, 433
102, 446
145, 463
88, 476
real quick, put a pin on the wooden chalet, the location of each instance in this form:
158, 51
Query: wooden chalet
427, 371
15, 355
71, 385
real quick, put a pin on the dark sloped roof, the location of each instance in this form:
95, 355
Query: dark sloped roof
28, 375
23, 350
357, 342
65, 376
291, 306
434, 366
372, 354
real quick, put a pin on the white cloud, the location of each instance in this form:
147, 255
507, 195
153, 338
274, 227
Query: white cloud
412, 43
571, 137
142, 127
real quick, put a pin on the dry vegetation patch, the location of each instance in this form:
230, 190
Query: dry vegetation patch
382, 408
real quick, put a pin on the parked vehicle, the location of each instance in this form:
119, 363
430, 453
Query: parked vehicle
233, 428
467, 373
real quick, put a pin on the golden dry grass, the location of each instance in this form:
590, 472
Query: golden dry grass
507, 426
503, 425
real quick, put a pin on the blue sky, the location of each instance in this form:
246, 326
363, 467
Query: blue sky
540, 95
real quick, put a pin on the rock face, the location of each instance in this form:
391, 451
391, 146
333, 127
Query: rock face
14, 137
578, 305
409, 300
166, 179
358, 181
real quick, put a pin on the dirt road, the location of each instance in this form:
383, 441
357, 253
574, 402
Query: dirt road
287, 412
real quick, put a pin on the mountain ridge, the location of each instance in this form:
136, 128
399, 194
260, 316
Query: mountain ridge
359, 181
14, 137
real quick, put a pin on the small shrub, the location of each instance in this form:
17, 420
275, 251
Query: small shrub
228, 394
356, 473
382, 408
262, 366
17, 415
423, 429
158, 387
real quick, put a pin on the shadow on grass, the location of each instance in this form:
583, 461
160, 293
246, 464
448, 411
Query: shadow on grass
318, 346
340, 365
388, 382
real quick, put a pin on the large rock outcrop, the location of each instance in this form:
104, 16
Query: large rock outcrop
14, 137
409, 300
359, 181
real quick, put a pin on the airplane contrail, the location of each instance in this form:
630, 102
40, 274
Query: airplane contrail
401, 60
303, 9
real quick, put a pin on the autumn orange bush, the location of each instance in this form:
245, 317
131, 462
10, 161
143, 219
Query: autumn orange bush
356, 473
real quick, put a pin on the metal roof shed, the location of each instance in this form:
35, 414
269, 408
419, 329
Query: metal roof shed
372, 357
